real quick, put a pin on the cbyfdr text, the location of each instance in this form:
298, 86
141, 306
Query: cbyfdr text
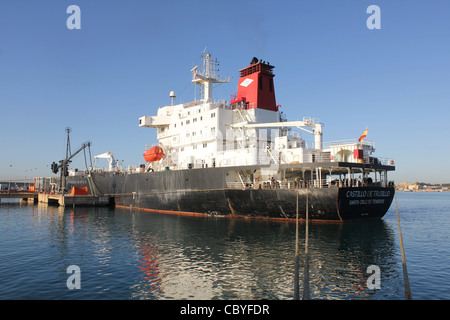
231, 309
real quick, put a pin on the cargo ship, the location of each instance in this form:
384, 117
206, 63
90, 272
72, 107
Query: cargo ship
243, 158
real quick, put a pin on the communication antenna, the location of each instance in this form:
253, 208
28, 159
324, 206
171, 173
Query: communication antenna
207, 76
68, 150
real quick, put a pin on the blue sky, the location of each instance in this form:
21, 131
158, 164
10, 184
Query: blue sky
128, 56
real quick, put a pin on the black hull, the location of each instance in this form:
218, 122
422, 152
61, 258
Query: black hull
205, 192
364, 203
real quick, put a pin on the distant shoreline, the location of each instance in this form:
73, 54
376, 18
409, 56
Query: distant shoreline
437, 190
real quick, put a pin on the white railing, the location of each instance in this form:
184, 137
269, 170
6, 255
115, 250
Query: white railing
277, 184
311, 158
317, 183
329, 144
386, 161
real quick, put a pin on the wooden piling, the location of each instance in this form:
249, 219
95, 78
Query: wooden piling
306, 291
296, 267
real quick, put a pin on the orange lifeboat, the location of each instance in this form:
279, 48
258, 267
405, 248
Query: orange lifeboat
153, 154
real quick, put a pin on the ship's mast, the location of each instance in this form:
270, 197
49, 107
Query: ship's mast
207, 76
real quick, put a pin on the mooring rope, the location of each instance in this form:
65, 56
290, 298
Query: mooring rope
405, 271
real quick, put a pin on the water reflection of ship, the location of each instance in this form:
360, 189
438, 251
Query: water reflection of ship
235, 259
341, 254
150, 266
216, 258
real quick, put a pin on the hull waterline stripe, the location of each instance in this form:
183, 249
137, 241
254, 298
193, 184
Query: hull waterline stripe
199, 214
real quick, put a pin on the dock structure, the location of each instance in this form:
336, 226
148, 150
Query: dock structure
24, 195
69, 200
59, 199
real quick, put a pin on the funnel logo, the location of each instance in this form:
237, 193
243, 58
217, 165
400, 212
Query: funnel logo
246, 82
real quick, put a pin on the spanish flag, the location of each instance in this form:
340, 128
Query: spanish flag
361, 139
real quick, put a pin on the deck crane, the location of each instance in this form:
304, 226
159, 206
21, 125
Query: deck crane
64, 164
112, 163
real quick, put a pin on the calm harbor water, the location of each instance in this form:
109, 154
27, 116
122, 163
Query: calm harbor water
125, 254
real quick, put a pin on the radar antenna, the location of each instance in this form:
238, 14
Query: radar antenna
207, 76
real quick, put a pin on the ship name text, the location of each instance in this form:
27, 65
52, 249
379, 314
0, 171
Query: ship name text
368, 193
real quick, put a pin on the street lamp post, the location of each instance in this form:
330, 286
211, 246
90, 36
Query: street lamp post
9, 186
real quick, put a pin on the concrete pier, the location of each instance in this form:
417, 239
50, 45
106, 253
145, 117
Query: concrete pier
24, 195
77, 200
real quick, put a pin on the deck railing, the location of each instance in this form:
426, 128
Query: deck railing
276, 184
317, 183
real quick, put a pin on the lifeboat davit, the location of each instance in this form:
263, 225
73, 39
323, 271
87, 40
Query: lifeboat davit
153, 154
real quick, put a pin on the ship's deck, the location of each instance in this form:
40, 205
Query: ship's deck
335, 166
344, 167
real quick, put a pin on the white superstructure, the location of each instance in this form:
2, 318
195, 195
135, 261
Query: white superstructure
248, 130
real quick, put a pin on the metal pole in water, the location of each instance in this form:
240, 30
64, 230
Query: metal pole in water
405, 271
306, 293
296, 275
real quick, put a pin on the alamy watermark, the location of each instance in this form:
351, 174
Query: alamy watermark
74, 280
74, 20
374, 280
372, 22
